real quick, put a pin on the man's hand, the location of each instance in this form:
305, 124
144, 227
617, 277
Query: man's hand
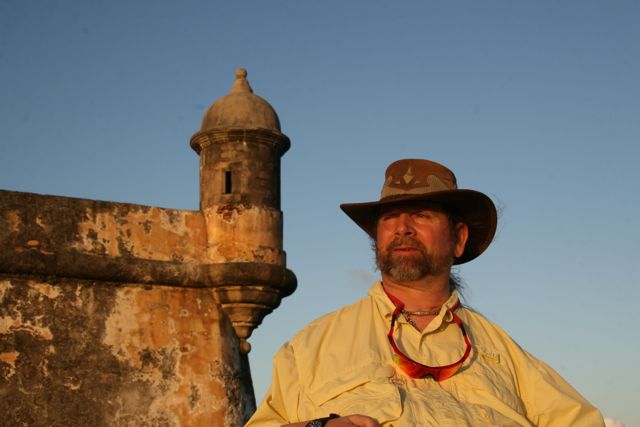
348, 421
353, 421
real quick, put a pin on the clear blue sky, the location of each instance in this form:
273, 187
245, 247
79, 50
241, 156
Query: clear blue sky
534, 103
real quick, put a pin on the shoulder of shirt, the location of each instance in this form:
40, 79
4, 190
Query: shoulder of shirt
328, 320
473, 315
484, 329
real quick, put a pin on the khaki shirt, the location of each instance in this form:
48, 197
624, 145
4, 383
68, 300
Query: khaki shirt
342, 363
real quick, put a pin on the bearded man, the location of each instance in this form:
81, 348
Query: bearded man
410, 354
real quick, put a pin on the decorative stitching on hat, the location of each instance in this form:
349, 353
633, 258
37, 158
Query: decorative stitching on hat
408, 176
395, 187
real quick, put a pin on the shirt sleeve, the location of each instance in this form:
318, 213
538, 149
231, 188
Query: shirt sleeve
551, 402
280, 403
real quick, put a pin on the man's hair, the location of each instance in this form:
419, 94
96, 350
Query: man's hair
456, 283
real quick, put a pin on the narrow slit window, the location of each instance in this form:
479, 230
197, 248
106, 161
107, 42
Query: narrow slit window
227, 182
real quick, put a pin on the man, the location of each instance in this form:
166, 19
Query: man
409, 354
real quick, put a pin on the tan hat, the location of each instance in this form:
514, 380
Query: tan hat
423, 180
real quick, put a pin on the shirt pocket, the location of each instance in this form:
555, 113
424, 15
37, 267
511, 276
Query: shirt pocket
366, 390
488, 380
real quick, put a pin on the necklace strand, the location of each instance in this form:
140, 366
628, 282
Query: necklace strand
431, 312
409, 320
407, 315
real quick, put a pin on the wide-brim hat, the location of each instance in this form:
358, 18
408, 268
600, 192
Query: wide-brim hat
417, 180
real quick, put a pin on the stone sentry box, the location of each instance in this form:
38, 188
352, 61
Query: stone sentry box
130, 315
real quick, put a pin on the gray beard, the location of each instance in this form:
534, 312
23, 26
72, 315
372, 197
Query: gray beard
410, 268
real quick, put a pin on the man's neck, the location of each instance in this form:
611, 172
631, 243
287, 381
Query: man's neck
425, 294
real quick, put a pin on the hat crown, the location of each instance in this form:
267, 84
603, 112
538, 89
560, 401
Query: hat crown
416, 176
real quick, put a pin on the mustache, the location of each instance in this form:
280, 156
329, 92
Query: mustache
405, 241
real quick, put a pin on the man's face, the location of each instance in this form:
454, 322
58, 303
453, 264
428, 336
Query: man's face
415, 241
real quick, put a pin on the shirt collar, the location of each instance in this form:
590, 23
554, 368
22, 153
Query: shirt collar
386, 307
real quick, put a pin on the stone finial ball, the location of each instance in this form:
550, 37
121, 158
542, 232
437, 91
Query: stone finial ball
241, 73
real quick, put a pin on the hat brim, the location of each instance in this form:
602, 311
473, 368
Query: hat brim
472, 207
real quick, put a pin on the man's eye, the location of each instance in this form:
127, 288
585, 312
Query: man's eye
421, 216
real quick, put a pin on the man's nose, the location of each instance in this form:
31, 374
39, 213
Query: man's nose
404, 225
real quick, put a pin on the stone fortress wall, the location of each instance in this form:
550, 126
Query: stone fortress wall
115, 314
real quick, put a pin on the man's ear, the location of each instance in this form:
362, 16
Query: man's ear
461, 232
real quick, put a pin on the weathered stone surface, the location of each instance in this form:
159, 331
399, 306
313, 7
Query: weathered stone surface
82, 353
105, 241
